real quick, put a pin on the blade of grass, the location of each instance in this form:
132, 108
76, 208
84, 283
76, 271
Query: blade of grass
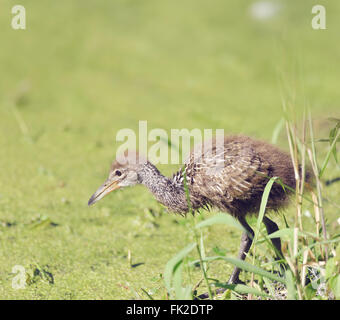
243, 289
221, 218
247, 267
277, 130
263, 206
174, 262
291, 291
331, 150
205, 276
203, 252
312, 156
147, 294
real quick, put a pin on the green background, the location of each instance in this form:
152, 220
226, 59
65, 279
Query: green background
82, 70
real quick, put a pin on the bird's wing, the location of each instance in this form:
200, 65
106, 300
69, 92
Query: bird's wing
232, 170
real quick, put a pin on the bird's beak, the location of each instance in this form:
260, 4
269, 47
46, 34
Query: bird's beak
103, 190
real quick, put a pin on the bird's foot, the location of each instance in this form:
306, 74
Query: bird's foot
207, 296
236, 281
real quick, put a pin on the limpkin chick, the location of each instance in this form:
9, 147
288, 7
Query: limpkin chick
229, 174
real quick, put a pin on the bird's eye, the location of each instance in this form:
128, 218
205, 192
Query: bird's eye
118, 173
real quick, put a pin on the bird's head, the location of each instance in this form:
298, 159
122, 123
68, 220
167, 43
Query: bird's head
123, 173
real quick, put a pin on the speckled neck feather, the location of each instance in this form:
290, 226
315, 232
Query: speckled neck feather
167, 191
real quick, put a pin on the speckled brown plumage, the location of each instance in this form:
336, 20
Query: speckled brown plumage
237, 185
229, 173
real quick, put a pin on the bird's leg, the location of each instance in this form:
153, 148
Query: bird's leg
271, 227
246, 241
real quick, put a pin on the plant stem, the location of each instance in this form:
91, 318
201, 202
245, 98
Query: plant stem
196, 235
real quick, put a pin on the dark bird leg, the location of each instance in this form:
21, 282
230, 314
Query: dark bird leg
271, 227
246, 241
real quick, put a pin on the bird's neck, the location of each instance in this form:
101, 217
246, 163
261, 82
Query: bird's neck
166, 190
